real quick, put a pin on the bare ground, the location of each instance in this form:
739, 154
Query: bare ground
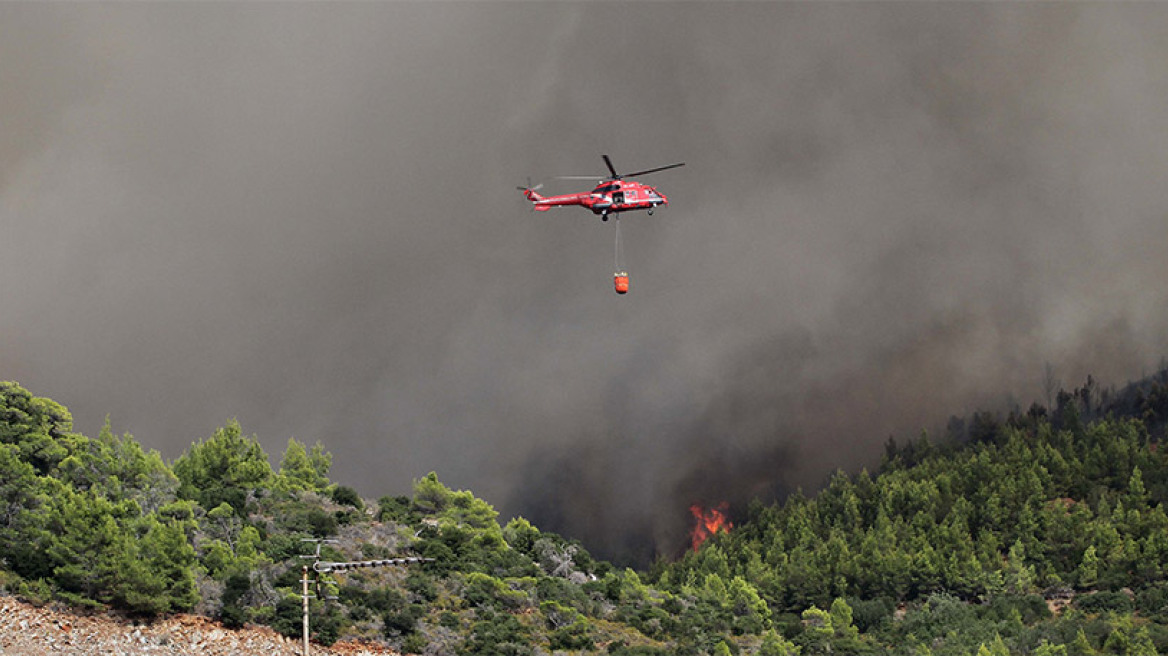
27, 630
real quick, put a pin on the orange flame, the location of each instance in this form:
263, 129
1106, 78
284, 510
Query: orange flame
709, 521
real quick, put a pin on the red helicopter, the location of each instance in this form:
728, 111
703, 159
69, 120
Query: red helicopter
611, 195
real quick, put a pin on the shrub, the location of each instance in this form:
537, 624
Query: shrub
1101, 602
871, 613
347, 496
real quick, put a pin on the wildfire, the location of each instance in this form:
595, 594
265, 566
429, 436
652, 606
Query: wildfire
709, 521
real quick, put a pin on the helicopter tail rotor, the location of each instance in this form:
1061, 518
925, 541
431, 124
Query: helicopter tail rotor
530, 193
529, 186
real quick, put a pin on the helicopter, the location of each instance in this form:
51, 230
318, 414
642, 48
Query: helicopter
612, 195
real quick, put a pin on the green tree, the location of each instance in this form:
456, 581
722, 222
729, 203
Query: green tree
108, 552
1088, 571
119, 468
1048, 649
21, 496
1081, 646
84, 544
223, 469
521, 535
347, 496
748, 613
1020, 577
1142, 645
302, 470
498, 633
166, 580
841, 618
39, 428
818, 631
232, 612
774, 644
997, 647
460, 508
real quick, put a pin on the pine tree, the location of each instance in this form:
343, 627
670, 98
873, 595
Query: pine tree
300, 470
223, 469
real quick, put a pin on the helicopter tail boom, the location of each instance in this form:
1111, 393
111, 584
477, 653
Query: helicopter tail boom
531, 194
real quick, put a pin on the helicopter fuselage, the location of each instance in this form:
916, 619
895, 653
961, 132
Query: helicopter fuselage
609, 197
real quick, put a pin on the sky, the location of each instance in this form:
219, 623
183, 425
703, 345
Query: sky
303, 216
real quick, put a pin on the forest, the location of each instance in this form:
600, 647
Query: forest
1040, 532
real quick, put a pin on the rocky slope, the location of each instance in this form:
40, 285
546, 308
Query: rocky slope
27, 630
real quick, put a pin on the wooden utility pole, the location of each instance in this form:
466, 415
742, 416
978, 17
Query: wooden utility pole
304, 595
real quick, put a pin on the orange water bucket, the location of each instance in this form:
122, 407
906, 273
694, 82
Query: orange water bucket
621, 282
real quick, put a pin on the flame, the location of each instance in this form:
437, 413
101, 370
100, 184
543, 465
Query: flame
709, 521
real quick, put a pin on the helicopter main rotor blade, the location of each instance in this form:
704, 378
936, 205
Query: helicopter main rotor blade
659, 168
608, 162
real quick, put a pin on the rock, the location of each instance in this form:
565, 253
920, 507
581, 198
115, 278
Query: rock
26, 630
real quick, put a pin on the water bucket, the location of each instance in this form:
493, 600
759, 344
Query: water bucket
621, 282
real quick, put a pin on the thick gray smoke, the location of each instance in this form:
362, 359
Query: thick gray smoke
303, 216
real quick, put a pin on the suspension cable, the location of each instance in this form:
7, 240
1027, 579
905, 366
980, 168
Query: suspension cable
619, 255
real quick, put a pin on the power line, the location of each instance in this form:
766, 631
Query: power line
324, 566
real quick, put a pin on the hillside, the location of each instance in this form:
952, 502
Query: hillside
1043, 532
982, 538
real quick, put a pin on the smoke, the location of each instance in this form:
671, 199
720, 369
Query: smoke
303, 216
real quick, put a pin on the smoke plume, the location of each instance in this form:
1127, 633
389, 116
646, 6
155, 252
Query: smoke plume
303, 216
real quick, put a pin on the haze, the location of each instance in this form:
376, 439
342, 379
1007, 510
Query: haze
304, 216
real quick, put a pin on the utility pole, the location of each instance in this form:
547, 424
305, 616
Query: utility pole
304, 595
323, 566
